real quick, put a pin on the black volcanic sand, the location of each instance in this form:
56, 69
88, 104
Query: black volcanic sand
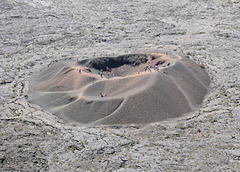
134, 88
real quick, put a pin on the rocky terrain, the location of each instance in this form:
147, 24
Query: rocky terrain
38, 33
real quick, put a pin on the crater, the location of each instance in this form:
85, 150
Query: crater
132, 88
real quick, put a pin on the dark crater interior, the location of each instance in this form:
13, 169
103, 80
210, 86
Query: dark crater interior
105, 63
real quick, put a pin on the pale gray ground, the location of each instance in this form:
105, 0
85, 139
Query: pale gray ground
37, 33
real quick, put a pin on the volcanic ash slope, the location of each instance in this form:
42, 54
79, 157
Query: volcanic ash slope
134, 88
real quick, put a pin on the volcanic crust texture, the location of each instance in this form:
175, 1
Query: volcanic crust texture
134, 88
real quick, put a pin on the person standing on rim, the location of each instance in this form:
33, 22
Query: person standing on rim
101, 73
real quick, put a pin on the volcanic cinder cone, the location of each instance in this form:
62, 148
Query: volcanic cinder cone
134, 88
